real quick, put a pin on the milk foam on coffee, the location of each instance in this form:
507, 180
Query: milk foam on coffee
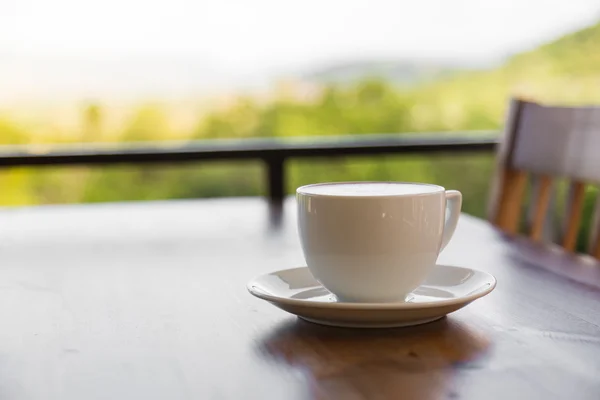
369, 189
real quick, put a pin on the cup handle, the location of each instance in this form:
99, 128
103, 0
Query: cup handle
453, 205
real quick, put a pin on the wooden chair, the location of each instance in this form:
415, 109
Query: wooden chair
545, 143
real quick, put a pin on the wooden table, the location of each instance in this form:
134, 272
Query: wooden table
148, 301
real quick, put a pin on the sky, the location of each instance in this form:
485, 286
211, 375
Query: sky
234, 41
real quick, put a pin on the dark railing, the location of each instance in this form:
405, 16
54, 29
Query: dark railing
273, 152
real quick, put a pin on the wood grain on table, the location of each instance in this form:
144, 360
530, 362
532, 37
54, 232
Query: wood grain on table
148, 301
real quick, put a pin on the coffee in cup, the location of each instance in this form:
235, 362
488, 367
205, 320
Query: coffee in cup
374, 242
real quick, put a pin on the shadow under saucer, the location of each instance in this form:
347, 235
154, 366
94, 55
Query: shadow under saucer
415, 363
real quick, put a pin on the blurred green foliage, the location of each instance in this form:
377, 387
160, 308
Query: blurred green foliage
566, 71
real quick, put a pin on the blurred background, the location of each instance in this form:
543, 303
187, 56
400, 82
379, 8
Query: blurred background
74, 71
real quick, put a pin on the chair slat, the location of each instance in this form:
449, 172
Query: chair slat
596, 250
594, 242
549, 232
573, 215
544, 190
509, 215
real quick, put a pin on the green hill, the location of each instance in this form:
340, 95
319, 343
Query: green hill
400, 72
565, 71
576, 55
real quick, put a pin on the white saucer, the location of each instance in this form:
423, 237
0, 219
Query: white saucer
446, 290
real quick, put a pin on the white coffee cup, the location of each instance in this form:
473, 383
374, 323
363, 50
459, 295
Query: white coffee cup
374, 241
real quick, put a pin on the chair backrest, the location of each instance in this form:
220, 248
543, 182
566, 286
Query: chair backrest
544, 143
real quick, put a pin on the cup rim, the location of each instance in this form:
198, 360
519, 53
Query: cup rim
301, 190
